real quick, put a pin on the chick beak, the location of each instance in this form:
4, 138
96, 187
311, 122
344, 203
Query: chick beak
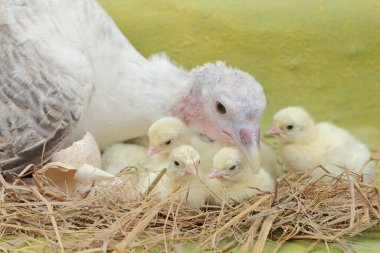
250, 145
216, 173
152, 150
274, 130
190, 168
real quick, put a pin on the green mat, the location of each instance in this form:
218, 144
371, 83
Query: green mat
369, 242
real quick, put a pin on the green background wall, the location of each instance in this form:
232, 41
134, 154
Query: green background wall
323, 55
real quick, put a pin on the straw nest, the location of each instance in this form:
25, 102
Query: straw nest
36, 216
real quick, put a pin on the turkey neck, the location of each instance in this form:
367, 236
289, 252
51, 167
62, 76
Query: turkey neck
189, 110
127, 100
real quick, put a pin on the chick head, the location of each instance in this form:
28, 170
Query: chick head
165, 134
292, 124
183, 161
229, 164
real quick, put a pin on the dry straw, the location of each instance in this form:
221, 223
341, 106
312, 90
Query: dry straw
38, 217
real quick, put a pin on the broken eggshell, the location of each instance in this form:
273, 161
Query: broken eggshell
70, 179
84, 151
76, 168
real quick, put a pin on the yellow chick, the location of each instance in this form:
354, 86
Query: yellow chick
118, 156
182, 173
235, 179
169, 132
305, 145
165, 134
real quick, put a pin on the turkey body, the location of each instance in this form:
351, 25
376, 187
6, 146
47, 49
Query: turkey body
66, 68
60, 79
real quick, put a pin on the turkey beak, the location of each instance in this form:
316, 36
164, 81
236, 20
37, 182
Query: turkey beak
190, 168
152, 150
274, 130
216, 173
249, 140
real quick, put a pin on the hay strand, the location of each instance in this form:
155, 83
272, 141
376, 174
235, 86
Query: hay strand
51, 214
236, 219
140, 227
267, 225
105, 219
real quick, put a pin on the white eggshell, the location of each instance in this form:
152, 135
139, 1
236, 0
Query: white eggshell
84, 151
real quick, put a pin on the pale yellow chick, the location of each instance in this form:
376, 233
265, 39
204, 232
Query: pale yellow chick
305, 145
182, 173
169, 132
118, 156
234, 179
165, 134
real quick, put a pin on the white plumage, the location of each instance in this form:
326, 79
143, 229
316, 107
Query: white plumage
234, 179
305, 145
67, 69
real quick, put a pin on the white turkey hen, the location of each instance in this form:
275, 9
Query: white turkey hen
65, 68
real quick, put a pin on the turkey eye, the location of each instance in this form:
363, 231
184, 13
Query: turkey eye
232, 168
289, 127
168, 142
176, 163
220, 108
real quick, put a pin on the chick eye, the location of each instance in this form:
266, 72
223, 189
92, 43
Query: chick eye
289, 127
168, 142
232, 168
176, 163
220, 108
